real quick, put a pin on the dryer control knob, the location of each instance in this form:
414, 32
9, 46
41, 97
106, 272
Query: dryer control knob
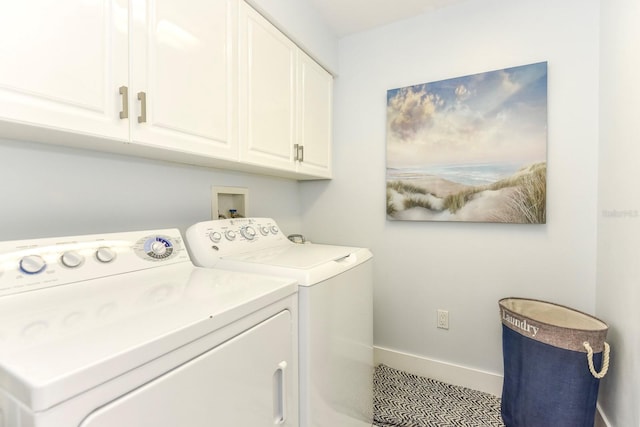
230, 235
158, 248
264, 230
72, 259
105, 254
32, 264
215, 236
274, 229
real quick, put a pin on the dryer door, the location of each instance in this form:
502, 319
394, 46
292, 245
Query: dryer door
244, 382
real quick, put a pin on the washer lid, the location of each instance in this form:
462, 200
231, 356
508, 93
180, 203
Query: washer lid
58, 342
307, 263
303, 257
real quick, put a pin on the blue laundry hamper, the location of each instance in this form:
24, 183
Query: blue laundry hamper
554, 358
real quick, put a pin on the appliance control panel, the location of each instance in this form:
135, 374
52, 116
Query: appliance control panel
27, 265
210, 240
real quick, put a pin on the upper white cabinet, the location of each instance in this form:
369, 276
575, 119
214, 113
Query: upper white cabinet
183, 75
315, 99
208, 82
63, 63
157, 73
268, 67
284, 101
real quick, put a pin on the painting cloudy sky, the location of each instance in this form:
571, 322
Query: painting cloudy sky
498, 116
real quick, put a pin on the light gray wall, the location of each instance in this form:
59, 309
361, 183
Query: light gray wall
54, 191
464, 267
618, 287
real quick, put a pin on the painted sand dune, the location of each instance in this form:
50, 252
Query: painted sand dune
520, 198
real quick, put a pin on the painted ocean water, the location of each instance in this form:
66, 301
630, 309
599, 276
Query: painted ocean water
467, 174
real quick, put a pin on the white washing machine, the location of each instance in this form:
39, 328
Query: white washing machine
122, 330
335, 310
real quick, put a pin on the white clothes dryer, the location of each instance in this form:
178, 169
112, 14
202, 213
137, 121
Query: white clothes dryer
122, 330
335, 310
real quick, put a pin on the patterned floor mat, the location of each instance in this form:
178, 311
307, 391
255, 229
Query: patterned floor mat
405, 400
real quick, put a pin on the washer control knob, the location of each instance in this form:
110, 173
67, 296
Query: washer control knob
248, 233
230, 235
105, 254
72, 259
274, 229
32, 264
264, 230
215, 236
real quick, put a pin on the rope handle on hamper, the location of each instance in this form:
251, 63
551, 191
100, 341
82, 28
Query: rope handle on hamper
605, 360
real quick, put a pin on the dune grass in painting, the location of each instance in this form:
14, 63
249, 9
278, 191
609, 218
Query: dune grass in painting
519, 198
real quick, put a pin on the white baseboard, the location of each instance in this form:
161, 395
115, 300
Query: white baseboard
601, 419
452, 374
441, 371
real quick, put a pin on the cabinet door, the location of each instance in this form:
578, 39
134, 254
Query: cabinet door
245, 382
182, 61
267, 92
315, 124
62, 64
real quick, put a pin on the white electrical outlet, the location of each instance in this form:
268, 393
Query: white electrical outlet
443, 319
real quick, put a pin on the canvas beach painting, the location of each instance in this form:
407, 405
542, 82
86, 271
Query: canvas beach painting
470, 148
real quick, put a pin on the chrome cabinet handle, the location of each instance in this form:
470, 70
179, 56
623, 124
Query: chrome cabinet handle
298, 152
142, 97
124, 91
